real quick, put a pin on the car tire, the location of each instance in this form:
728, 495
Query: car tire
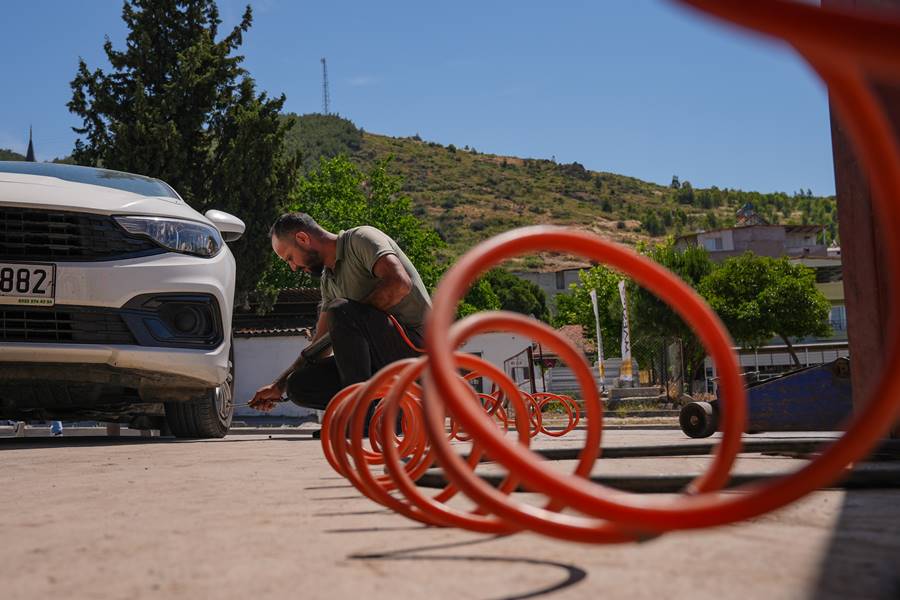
208, 416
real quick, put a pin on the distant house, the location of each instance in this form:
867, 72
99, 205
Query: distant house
553, 282
762, 239
753, 233
801, 244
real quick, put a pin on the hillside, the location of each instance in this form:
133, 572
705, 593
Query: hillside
468, 196
7, 154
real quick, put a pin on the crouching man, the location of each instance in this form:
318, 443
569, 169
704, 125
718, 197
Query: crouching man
365, 279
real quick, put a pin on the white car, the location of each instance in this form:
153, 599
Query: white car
115, 301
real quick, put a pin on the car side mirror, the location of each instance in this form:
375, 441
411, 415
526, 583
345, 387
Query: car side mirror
228, 225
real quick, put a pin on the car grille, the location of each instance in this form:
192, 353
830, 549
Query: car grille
76, 325
43, 235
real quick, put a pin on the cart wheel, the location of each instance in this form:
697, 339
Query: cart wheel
697, 419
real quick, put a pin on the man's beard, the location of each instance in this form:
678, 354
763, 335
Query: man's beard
313, 262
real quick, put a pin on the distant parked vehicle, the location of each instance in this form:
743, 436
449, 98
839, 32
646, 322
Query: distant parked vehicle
115, 301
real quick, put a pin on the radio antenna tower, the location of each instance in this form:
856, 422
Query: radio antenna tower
325, 98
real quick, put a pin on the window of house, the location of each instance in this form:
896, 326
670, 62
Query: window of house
838, 318
713, 243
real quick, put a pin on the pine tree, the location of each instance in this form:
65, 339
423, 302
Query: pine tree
177, 105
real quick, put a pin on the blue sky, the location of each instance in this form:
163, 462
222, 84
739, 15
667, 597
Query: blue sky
638, 87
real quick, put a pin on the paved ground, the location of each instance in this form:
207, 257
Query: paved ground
260, 517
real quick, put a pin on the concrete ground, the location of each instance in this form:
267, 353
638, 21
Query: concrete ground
264, 516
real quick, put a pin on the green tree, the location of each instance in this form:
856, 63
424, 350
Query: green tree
338, 195
575, 308
480, 297
685, 194
177, 105
653, 320
650, 223
517, 294
759, 298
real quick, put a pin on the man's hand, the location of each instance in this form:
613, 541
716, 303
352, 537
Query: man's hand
266, 397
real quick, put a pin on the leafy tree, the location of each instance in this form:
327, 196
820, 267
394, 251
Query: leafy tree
759, 297
517, 294
653, 320
575, 308
650, 223
685, 194
178, 105
480, 297
338, 195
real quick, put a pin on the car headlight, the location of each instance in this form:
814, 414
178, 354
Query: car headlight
187, 237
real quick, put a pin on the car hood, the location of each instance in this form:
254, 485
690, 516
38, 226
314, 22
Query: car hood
49, 193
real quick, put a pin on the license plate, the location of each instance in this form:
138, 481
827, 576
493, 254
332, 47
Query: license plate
25, 284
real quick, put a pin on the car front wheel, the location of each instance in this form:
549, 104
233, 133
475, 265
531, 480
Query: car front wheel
208, 416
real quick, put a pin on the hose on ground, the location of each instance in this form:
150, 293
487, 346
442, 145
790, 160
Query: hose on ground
844, 48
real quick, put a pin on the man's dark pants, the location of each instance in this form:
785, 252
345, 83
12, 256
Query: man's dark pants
363, 339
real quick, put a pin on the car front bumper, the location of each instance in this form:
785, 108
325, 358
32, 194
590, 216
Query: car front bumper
154, 371
112, 285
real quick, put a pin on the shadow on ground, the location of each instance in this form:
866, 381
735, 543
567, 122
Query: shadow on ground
571, 574
863, 558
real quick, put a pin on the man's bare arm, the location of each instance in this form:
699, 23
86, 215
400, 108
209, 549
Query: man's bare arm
393, 283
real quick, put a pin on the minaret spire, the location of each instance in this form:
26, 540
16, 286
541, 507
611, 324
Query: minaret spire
29, 156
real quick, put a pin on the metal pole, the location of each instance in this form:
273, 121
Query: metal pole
530, 352
541, 358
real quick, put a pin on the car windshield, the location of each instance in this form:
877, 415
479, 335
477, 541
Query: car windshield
136, 184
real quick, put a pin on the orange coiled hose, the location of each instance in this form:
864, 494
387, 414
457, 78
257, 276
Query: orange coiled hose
535, 404
844, 48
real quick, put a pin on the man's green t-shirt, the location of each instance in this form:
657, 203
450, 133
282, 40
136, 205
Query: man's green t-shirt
358, 250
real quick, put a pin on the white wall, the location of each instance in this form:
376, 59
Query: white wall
547, 281
257, 362
496, 347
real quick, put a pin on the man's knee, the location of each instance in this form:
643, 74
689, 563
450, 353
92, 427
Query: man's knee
342, 311
313, 386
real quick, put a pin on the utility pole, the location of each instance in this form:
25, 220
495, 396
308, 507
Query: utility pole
325, 98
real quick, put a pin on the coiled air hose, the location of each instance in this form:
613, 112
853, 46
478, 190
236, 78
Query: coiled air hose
844, 48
